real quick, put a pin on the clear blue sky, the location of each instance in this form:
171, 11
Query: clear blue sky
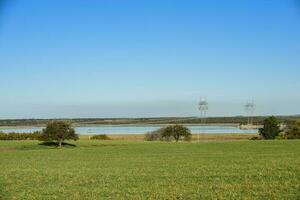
135, 58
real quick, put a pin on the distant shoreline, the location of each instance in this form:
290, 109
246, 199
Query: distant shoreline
126, 125
225, 121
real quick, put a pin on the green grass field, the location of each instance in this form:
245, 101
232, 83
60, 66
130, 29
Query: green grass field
151, 170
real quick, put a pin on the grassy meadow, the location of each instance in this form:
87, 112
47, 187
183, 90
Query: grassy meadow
151, 170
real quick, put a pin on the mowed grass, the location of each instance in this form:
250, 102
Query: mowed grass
151, 170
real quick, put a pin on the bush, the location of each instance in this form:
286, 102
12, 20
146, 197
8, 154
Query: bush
20, 136
188, 137
271, 128
281, 136
152, 136
293, 131
156, 135
100, 137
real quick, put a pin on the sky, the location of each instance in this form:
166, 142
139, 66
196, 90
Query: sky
133, 58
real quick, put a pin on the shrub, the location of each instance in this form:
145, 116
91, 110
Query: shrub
271, 128
293, 131
281, 136
156, 135
188, 138
100, 137
152, 136
20, 136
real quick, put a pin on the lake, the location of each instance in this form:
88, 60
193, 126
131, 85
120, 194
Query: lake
138, 129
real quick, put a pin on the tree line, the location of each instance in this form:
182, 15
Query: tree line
272, 129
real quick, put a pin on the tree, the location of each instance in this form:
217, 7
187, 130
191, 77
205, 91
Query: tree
58, 131
176, 131
294, 131
271, 128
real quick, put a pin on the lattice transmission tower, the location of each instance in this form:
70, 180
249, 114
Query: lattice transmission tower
250, 109
203, 108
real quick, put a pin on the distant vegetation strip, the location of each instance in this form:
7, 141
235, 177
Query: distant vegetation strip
130, 121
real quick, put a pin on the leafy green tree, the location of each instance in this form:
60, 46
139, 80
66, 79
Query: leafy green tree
58, 131
294, 131
271, 128
176, 131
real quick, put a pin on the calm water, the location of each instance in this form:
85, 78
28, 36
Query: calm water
89, 130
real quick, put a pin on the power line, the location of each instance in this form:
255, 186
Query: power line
250, 109
203, 108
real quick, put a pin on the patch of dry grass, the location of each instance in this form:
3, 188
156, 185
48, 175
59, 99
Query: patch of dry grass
195, 137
